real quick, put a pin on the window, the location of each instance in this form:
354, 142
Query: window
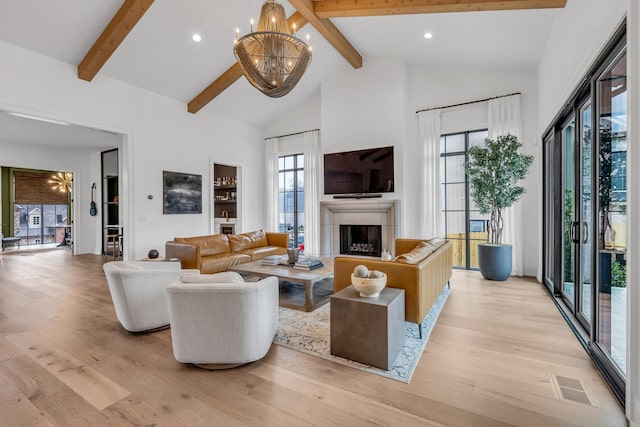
465, 227
35, 220
291, 198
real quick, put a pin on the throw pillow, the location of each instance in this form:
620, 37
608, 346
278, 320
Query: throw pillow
417, 254
224, 277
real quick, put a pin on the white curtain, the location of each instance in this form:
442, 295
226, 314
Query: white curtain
504, 118
271, 156
430, 205
312, 193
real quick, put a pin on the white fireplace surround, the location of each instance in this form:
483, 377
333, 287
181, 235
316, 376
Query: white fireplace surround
383, 212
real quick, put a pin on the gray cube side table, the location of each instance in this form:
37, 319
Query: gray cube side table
368, 330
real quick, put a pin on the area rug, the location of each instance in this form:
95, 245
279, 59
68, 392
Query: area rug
310, 333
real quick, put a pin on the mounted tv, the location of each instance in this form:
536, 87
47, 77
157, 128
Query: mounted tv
359, 172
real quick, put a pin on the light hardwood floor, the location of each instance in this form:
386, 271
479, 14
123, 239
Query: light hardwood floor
490, 360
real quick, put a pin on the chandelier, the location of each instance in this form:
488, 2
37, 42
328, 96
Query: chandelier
272, 58
62, 182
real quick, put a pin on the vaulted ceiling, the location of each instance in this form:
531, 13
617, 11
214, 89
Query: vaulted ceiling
148, 43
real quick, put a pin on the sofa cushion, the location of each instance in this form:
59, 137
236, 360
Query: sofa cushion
209, 245
223, 277
254, 239
419, 253
221, 262
263, 251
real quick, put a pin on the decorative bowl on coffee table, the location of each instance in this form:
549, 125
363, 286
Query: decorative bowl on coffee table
369, 287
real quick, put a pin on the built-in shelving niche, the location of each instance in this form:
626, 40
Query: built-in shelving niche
225, 198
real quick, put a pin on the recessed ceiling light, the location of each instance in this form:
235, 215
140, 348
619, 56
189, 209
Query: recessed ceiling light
196, 38
428, 35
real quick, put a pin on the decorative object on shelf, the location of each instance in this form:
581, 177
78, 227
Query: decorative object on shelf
386, 255
182, 193
368, 283
272, 58
493, 172
153, 254
292, 255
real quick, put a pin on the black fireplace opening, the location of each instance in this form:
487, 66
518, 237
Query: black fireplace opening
361, 240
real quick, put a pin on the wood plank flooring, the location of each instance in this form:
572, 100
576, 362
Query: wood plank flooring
490, 361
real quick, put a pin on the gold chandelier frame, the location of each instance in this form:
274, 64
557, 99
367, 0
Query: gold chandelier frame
272, 58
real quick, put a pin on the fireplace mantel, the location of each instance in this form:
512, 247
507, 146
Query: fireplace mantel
383, 212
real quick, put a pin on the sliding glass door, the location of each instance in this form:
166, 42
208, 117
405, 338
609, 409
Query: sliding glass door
577, 217
585, 212
612, 211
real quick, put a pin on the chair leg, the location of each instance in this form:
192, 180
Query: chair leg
420, 329
449, 284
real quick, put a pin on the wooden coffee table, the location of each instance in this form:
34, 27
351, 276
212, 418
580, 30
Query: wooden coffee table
285, 273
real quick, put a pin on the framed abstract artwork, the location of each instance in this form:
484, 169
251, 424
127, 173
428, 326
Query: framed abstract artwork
182, 193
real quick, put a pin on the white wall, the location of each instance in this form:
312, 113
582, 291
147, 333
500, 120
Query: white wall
364, 107
303, 117
159, 135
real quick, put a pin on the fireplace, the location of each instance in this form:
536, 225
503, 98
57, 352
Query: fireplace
335, 215
363, 240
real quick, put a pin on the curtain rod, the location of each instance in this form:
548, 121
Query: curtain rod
470, 102
292, 134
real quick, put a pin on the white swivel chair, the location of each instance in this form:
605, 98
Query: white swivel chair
138, 292
222, 325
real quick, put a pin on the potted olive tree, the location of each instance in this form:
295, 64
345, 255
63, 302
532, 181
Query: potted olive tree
493, 172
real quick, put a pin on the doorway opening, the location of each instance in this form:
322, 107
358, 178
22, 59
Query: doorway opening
37, 207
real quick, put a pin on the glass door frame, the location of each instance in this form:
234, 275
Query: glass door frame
569, 300
444, 154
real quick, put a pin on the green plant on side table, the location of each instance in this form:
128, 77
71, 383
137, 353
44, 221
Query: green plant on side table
493, 172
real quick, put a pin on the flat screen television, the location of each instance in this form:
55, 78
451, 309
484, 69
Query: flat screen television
359, 172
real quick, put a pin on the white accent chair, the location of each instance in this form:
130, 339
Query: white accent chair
222, 325
138, 292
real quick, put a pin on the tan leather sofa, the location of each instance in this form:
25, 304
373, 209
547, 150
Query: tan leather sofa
217, 252
421, 271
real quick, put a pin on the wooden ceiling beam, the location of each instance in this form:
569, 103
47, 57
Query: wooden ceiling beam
351, 8
329, 32
121, 24
234, 72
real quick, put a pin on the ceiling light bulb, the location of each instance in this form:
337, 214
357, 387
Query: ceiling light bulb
196, 38
428, 35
